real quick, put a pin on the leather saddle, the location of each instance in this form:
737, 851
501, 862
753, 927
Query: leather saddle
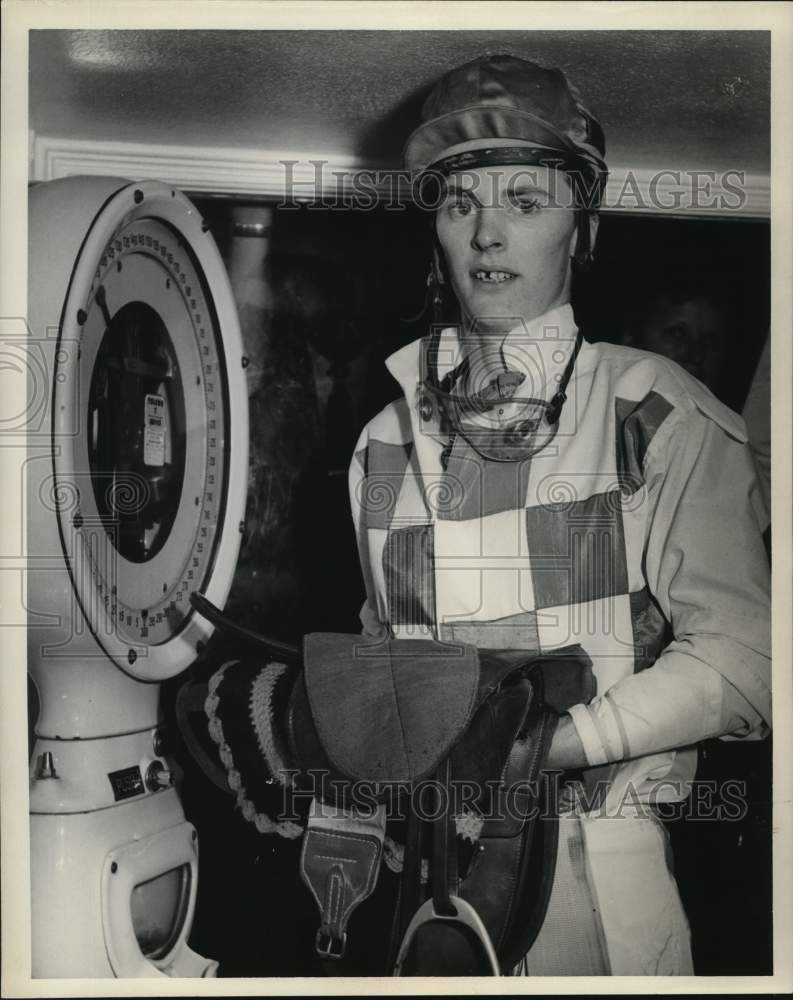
439, 743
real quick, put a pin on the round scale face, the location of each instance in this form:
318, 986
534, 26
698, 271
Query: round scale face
145, 491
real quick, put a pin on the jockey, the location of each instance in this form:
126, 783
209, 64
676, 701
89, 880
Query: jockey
531, 490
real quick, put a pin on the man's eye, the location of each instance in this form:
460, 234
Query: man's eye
460, 206
527, 206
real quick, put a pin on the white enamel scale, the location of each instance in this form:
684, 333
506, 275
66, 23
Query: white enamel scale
136, 484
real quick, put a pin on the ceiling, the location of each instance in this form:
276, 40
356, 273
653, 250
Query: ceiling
666, 99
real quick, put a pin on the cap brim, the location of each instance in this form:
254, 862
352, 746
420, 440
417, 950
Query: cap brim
434, 140
441, 137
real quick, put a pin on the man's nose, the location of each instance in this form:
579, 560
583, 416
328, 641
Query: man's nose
489, 232
697, 348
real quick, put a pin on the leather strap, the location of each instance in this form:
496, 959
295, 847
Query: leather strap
339, 863
500, 905
445, 924
444, 846
410, 896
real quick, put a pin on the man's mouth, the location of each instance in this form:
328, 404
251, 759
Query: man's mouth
492, 277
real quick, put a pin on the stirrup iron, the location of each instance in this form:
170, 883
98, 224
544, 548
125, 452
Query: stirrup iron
465, 915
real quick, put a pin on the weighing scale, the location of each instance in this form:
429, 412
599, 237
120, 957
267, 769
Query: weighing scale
136, 492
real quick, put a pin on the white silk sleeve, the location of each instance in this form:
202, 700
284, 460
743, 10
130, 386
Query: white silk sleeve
706, 566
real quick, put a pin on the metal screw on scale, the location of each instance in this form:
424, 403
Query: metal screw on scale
158, 777
46, 766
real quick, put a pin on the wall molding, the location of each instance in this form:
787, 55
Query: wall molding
274, 175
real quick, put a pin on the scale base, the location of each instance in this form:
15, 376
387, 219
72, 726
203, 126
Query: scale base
113, 892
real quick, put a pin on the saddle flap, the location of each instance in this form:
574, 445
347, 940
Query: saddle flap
479, 757
389, 711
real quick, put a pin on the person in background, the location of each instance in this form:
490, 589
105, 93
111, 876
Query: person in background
683, 321
531, 489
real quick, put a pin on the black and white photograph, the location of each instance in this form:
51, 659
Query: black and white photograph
396, 439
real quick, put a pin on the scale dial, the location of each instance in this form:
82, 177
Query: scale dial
150, 489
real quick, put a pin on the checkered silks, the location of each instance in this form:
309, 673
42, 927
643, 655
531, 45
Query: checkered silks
469, 554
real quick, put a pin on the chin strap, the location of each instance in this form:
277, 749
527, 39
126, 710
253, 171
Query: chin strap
559, 398
436, 280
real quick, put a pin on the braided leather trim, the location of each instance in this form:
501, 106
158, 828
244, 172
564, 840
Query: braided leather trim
263, 823
261, 715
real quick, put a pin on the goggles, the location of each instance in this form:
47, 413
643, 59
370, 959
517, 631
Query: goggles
532, 422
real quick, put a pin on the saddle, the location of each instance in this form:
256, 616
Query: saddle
419, 758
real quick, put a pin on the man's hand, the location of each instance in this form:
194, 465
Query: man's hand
566, 751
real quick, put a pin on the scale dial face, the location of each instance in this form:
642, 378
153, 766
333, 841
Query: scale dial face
143, 485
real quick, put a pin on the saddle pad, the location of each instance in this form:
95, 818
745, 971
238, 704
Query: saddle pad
389, 711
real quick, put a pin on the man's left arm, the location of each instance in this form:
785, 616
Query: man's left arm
706, 567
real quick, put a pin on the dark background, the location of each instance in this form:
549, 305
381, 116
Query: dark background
253, 913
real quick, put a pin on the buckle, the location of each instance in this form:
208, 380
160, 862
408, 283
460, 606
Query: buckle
329, 945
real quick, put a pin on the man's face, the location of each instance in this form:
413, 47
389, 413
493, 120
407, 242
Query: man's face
507, 233
689, 333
